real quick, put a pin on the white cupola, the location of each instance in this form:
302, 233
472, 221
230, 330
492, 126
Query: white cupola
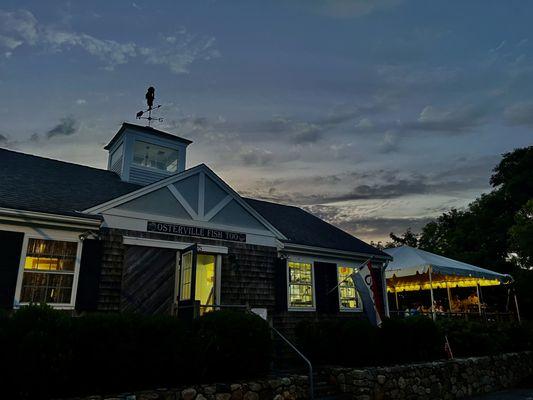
142, 154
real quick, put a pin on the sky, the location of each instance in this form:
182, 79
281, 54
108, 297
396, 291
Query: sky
374, 115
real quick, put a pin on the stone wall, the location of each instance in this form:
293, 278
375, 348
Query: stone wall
450, 379
292, 387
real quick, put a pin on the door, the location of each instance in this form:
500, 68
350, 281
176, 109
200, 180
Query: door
187, 305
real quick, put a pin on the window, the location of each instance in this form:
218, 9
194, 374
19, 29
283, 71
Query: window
154, 156
117, 155
49, 272
186, 276
300, 285
348, 296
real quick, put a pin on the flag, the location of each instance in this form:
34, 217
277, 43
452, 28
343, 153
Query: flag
366, 283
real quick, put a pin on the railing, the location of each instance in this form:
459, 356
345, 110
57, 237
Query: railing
196, 312
474, 316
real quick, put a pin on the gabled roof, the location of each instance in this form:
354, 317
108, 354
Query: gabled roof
39, 184
302, 227
409, 261
148, 129
33, 183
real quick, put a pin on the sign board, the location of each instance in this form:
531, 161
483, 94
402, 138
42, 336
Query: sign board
196, 231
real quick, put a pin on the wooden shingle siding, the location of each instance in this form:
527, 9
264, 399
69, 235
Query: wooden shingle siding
148, 280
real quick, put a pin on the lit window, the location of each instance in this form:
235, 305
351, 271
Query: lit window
48, 272
300, 285
348, 297
154, 156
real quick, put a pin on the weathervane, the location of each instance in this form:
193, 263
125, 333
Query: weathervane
150, 96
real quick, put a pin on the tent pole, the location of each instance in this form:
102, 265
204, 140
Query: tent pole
478, 298
448, 290
396, 298
432, 298
517, 310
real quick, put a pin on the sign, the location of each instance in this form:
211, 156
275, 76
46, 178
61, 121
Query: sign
196, 231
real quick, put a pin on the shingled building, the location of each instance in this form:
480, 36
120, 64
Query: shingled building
149, 236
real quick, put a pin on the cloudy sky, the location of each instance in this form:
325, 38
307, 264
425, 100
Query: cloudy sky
376, 115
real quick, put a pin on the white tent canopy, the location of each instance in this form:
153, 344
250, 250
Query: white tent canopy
408, 261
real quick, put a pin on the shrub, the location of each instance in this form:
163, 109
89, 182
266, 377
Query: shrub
46, 353
356, 343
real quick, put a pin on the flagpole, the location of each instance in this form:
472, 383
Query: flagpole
349, 276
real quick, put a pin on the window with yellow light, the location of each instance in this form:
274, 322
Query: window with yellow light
49, 269
300, 284
348, 296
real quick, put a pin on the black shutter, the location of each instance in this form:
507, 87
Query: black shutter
10, 250
326, 291
280, 281
89, 279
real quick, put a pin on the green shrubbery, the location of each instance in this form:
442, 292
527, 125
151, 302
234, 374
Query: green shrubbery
356, 343
48, 353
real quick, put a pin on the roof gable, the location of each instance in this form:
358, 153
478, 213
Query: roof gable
183, 197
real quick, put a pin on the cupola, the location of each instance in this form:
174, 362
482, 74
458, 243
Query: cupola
142, 154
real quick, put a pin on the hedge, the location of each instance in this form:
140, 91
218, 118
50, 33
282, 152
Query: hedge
47, 353
356, 343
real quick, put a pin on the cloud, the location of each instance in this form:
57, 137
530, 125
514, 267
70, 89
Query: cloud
375, 184
22, 28
66, 127
350, 8
376, 229
81, 102
3, 140
519, 114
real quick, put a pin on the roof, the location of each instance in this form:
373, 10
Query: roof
148, 129
409, 261
33, 183
39, 184
302, 227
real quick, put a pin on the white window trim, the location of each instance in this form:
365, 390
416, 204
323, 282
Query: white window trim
307, 261
18, 290
359, 302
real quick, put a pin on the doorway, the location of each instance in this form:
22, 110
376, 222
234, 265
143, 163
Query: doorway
197, 283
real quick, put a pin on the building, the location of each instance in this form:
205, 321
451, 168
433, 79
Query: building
149, 236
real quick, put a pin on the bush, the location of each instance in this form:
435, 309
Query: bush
356, 343
46, 353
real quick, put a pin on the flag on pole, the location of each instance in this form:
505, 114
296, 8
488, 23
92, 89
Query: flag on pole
366, 283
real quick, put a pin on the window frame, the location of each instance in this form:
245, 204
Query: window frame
359, 302
305, 260
149, 168
62, 306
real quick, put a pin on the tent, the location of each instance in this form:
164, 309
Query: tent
415, 269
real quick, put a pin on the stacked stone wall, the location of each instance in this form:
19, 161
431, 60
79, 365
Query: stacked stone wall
450, 379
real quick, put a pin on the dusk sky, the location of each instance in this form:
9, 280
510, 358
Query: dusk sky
375, 115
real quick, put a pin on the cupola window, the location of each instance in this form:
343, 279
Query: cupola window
154, 156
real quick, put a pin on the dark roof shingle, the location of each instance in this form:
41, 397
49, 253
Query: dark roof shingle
40, 184
302, 227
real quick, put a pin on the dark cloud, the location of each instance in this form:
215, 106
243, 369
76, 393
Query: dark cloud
519, 114
382, 184
66, 127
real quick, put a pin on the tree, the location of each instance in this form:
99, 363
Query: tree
408, 238
521, 236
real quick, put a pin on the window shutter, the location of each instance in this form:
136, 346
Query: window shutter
89, 278
327, 298
280, 276
10, 248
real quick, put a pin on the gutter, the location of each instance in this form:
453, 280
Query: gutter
328, 252
10, 215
